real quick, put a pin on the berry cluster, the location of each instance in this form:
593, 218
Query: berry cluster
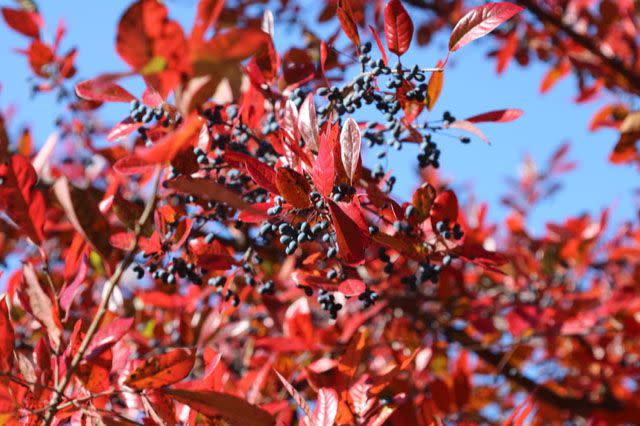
368, 298
426, 271
287, 230
328, 303
342, 191
176, 266
449, 231
407, 85
141, 113
291, 236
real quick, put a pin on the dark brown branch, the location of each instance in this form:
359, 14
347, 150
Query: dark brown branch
615, 64
630, 77
577, 406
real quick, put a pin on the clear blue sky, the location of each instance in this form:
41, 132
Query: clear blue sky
471, 86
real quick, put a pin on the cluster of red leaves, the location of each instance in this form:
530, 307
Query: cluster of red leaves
82, 341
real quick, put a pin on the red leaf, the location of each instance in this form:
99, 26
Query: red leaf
206, 17
481, 21
398, 27
6, 337
235, 44
85, 216
608, 116
140, 34
151, 98
411, 108
299, 399
260, 172
22, 21
326, 407
359, 395
350, 145
308, 123
162, 370
506, 53
73, 256
123, 129
352, 287
68, 292
520, 413
324, 170
297, 66
102, 89
555, 74
122, 240
462, 381
475, 253
445, 208
40, 305
323, 56
282, 344
467, 127
434, 87
131, 165
210, 256
293, 187
380, 46
167, 148
108, 336
212, 374
350, 359
298, 322
18, 198
422, 201
347, 21
499, 116
351, 242
441, 393
258, 213
209, 190
40, 55
210, 403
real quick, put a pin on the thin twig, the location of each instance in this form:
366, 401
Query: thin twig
112, 283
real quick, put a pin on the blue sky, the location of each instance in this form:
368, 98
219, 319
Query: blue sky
471, 86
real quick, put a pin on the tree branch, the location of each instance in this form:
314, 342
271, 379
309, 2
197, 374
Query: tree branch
614, 63
578, 406
112, 283
630, 77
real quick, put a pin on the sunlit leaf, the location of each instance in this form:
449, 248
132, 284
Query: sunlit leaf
350, 146
23, 21
481, 21
103, 90
499, 116
293, 187
226, 405
162, 370
347, 21
85, 216
398, 27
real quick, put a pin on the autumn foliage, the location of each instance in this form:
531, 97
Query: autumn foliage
223, 254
